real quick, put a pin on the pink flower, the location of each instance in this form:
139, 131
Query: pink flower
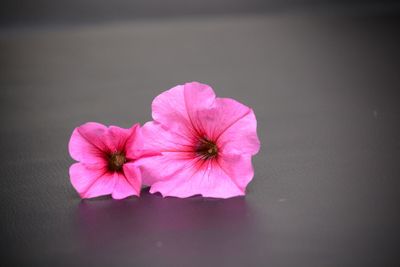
106, 157
204, 144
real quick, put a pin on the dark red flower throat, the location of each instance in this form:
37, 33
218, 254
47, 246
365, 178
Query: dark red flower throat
116, 160
206, 149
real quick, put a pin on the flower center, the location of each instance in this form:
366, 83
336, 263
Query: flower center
206, 149
116, 160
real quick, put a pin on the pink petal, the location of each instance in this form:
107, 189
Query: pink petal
91, 180
241, 137
116, 138
127, 183
223, 114
169, 108
163, 166
86, 143
205, 178
176, 107
238, 167
198, 97
138, 145
134, 142
160, 138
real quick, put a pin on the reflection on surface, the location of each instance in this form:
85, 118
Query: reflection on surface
176, 230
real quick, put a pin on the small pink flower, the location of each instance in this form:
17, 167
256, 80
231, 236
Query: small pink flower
204, 144
106, 157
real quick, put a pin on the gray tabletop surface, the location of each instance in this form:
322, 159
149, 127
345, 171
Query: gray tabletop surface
325, 90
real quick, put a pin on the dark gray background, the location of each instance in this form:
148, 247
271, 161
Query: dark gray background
324, 86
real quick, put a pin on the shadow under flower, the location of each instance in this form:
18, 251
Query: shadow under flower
166, 231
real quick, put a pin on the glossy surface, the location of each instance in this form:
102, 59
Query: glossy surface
326, 94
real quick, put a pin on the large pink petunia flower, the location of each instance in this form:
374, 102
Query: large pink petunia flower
204, 144
106, 161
